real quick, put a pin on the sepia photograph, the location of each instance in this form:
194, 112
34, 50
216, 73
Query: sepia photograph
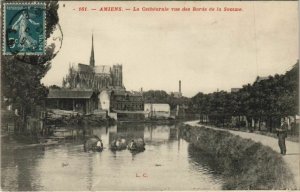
149, 95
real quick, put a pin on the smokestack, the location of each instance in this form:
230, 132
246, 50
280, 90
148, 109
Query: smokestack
180, 86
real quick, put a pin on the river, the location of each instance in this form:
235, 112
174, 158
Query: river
168, 163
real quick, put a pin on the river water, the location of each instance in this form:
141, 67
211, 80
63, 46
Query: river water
168, 163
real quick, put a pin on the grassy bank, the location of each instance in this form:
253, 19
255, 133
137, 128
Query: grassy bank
242, 163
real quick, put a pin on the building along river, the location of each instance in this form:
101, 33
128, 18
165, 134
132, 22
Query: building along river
168, 163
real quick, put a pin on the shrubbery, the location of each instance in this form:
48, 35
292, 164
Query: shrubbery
243, 163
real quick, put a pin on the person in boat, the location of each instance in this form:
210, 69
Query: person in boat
93, 143
132, 144
118, 143
114, 143
282, 134
99, 144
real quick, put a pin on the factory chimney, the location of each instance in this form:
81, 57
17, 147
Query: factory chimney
180, 87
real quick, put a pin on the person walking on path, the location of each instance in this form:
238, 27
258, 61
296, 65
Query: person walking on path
282, 134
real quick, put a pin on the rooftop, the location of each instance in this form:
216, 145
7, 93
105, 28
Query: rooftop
69, 94
84, 68
102, 69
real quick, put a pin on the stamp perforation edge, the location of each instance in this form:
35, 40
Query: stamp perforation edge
4, 25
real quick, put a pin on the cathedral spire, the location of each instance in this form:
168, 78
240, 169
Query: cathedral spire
92, 58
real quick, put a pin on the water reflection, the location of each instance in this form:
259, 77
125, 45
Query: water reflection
168, 163
203, 160
18, 168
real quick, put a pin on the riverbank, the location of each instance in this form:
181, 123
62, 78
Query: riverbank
244, 163
64, 118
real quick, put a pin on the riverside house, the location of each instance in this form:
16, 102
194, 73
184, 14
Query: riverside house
83, 101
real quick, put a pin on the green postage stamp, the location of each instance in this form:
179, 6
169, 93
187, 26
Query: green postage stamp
24, 28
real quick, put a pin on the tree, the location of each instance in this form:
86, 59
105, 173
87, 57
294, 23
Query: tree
21, 79
156, 96
265, 100
54, 87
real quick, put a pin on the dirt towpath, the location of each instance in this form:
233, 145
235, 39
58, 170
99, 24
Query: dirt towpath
292, 157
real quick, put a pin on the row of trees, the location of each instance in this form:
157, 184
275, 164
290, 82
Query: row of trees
266, 100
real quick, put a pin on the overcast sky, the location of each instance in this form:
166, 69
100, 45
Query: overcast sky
205, 50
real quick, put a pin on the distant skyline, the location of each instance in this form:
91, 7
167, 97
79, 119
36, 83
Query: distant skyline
205, 50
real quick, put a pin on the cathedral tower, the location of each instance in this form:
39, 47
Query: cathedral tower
117, 76
92, 58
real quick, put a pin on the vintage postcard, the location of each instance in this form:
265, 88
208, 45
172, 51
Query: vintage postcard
149, 95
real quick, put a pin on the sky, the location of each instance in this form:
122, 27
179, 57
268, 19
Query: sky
207, 51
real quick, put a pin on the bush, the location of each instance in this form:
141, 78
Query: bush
243, 163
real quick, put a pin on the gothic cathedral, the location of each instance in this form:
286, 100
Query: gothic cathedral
96, 77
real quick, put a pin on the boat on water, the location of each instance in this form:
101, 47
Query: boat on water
93, 143
136, 145
118, 145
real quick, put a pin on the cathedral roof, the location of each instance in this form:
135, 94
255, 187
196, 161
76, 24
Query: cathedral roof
102, 69
84, 68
